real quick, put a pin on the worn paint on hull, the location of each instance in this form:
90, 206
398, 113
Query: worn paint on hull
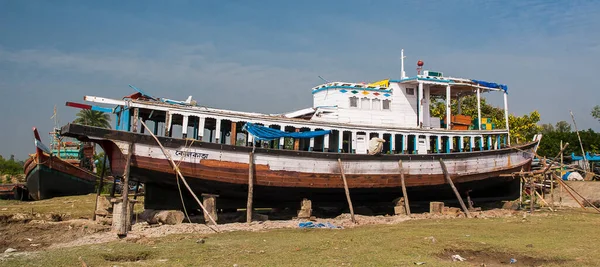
285, 175
53, 177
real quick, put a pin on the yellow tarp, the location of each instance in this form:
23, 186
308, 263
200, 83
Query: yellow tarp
382, 83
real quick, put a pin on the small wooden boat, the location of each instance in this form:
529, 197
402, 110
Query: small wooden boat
48, 175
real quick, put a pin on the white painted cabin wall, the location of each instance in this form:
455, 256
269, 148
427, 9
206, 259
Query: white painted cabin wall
402, 112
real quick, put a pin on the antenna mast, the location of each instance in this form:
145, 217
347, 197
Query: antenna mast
402, 73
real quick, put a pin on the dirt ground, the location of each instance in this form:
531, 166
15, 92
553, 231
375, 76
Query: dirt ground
25, 232
31, 235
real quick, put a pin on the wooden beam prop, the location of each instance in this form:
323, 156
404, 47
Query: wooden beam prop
124, 193
406, 205
125, 182
563, 185
449, 180
568, 187
347, 191
168, 155
100, 185
531, 194
543, 201
250, 187
553, 159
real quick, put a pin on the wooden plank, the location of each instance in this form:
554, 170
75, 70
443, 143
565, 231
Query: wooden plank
347, 191
407, 206
449, 180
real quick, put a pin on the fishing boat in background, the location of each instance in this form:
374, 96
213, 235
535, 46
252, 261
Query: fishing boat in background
64, 169
362, 129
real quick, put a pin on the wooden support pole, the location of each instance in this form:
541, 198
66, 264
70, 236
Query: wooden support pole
568, 191
584, 199
250, 187
544, 201
168, 155
449, 180
347, 191
100, 185
407, 206
585, 165
124, 193
113, 188
548, 166
531, 194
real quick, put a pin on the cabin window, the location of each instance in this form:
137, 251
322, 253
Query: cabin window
410, 91
376, 104
386, 104
365, 103
354, 102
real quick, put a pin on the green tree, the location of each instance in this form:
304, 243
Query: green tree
468, 106
550, 144
10, 167
596, 112
547, 128
522, 129
563, 127
93, 118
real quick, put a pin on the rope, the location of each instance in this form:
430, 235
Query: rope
177, 178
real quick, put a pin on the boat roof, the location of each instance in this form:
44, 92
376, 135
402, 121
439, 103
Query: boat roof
437, 83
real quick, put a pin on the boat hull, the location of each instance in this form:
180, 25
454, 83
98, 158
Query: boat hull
288, 176
55, 178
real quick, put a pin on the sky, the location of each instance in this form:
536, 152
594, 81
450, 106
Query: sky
265, 56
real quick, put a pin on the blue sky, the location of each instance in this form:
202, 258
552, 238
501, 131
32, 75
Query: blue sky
265, 56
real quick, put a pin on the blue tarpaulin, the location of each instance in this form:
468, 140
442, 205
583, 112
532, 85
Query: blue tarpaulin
491, 85
318, 225
266, 133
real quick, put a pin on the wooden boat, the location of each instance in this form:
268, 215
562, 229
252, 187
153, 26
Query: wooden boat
369, 127
48, 175
13, 191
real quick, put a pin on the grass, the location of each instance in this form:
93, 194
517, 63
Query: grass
567, 238
73, 207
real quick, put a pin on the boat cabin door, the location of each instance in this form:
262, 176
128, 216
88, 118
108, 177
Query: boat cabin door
422, 145
361, 144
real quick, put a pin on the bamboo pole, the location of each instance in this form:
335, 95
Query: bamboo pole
406, 204
544, 201
585, 167
250, 188
572, 196
449, 180
168, 155
347, 191
561, 173
99, 186
584, 199
548, 166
